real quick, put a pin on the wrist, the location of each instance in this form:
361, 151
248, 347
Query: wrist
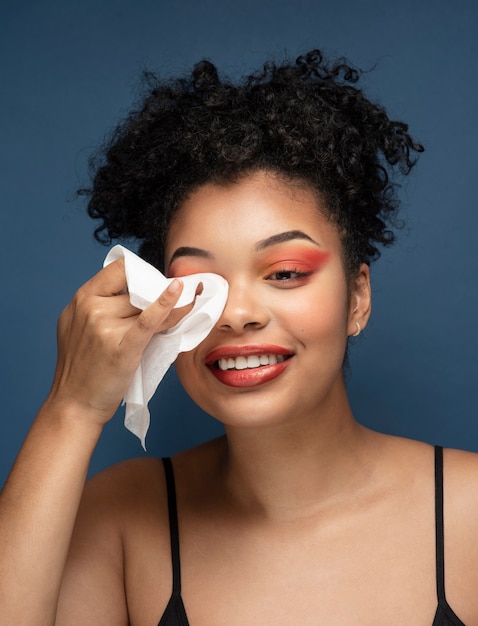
71, 419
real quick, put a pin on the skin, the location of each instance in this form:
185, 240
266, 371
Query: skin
298, 516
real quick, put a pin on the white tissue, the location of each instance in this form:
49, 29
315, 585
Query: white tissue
145, 284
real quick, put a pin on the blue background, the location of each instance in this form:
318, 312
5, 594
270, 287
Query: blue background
69, 71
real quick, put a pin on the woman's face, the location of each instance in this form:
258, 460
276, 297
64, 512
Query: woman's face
278, 347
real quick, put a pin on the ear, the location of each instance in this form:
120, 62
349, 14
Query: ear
360, 301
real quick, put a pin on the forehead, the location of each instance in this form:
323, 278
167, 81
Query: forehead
256, 207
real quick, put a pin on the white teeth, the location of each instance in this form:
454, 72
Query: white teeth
250, 362
241, 363
253, 361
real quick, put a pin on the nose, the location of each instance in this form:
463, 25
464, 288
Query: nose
244, 310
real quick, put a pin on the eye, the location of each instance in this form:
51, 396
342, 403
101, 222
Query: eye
289, 276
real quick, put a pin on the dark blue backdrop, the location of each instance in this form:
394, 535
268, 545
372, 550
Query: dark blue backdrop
68, 72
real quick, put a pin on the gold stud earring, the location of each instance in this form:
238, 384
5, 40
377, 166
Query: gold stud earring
358, 331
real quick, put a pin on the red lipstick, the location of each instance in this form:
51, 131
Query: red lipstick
248, 366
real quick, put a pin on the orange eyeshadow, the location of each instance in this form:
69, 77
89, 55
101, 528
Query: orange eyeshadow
310, 259
184, 269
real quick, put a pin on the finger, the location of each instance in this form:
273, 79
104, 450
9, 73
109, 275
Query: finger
118, 306
123, 307
152, 319
109, 281
96, 309
176, 315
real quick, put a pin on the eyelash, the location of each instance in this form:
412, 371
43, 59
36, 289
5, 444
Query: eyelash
299, 275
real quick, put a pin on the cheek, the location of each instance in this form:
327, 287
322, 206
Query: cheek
183, 364
189, 373
185, 372
315, 314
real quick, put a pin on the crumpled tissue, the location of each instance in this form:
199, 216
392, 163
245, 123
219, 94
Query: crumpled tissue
145, 284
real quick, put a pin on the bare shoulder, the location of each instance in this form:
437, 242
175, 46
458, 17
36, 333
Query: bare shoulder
460, 486
122, 506
119, 566
132, 492
117, 506
120, 496
411, 464
120, 486
460, 483
459, 465
461, 469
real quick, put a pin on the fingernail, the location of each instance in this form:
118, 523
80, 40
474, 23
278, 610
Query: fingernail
174, 286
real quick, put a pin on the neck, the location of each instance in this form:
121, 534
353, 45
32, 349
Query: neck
293, 469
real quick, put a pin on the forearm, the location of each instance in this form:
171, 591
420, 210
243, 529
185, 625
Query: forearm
38, 507
101, 340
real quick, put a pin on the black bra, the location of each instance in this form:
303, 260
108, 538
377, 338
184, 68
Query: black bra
175, 613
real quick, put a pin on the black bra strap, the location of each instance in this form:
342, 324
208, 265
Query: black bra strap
173, 525
439, 526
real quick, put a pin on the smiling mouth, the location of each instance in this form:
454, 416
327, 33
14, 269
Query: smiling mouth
248, 366
249, 362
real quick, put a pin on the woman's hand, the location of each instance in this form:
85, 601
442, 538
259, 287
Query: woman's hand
101, 339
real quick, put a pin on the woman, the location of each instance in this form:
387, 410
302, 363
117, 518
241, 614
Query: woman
299, 515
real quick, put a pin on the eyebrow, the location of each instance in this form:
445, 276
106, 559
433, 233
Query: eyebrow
189, 251
283, 237
261, 245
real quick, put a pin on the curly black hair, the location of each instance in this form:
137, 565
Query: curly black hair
304, 121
